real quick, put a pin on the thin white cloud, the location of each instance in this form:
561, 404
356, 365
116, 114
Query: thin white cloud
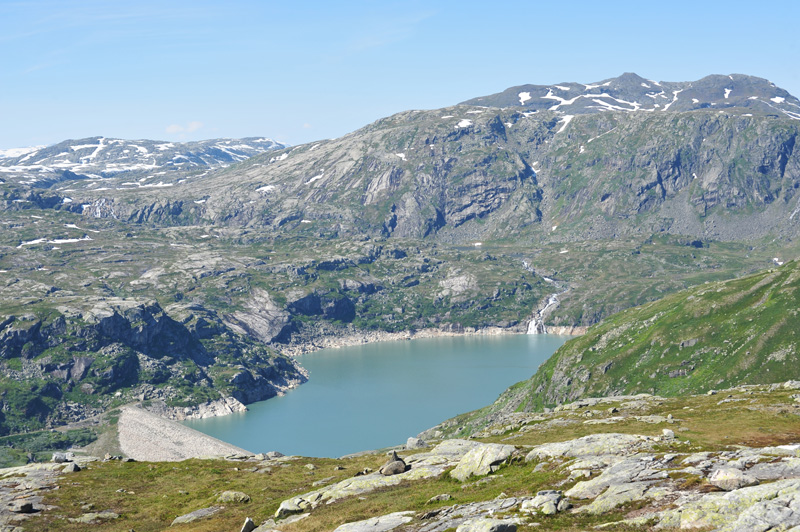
191, 127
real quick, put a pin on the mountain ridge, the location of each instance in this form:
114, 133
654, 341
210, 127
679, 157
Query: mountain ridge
630, 92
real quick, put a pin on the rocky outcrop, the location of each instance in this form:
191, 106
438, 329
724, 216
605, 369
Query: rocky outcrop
422, 465
384, 523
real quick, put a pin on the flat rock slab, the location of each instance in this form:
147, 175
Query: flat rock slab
625, 472
423, 465
147, 437
488, 525
92, 518
196, 515
616, 496
351, 487
451, 517
383, 523
592, 445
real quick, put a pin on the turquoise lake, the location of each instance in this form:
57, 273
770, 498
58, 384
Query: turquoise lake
377, 395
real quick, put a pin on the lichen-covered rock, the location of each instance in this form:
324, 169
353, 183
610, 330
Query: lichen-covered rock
71, 467
353, 486
723, 510
481, 460
616, 496
383, 523
630, 470
592, 445
729, 479
488, 525
545, 502
233, 497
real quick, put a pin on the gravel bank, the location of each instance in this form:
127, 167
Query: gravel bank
148, 437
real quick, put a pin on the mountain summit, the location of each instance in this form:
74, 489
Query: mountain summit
631, 92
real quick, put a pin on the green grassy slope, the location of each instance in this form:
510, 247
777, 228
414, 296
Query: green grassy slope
717, 335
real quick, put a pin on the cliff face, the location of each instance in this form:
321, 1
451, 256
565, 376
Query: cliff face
72, 360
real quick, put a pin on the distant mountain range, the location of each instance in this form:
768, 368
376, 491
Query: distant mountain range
630, 93
128, 163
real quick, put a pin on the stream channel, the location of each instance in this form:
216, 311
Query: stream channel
377, 395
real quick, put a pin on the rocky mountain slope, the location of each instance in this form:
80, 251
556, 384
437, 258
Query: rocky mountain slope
465, 173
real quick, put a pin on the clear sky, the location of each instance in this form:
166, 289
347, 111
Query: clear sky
306, 70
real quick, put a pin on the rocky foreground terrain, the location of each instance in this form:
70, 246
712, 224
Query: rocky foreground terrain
725, 460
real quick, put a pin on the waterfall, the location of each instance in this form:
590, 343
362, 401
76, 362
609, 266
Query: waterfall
536, 325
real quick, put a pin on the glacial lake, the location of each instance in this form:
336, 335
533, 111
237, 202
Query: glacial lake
377, 395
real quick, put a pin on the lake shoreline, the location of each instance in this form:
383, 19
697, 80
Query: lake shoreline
354, 338
229, 405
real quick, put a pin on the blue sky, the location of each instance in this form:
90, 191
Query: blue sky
186, 70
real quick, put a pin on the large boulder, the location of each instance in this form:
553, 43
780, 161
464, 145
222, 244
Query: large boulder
482, 460
729, 479
415, 443
394, 466
233, 496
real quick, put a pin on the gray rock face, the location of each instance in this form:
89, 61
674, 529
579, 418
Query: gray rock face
71, 467
481, 460
383, 523
196, 515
